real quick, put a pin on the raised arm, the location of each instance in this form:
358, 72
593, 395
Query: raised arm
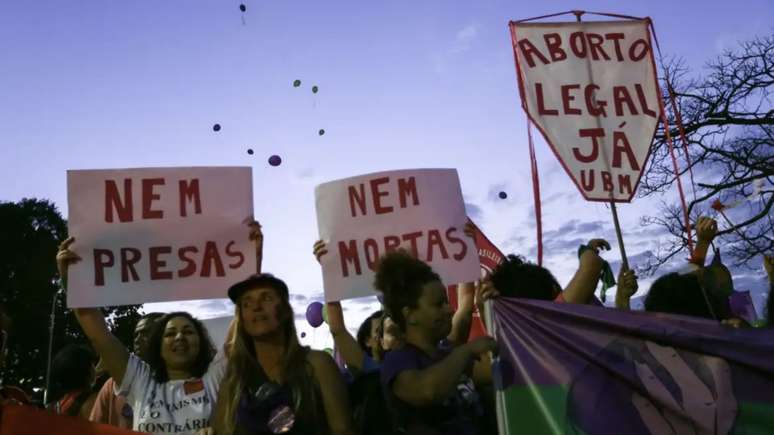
627, 286
114, 355
463, 317
582, 285
345, 343
706, 228
424, 387
334, 393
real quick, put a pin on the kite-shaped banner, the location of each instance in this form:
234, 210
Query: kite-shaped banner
591, 89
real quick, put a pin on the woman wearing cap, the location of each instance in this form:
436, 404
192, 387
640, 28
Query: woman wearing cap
273, 384
175, 390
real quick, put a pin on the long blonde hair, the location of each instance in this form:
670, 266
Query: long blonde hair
243, 370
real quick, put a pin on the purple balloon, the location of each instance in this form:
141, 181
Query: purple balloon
503, 195
303, 334
314, 314
275, 160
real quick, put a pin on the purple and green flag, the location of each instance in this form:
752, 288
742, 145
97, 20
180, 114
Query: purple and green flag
578, 369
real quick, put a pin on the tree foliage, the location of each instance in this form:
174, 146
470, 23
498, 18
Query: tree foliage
31, 232
728, 122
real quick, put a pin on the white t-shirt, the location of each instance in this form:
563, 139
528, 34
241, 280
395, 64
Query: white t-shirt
172, 407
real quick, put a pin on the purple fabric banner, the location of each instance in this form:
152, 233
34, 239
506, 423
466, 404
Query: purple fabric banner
567, 368
742, 306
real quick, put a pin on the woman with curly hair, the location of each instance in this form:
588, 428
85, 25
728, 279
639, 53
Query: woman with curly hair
426, 383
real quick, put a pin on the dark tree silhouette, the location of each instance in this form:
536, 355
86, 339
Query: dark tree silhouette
728, 120
30, 232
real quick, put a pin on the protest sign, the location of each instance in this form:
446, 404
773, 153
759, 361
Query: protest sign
361, 218
158, 234
591, 89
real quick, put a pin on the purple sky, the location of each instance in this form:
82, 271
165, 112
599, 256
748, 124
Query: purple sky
403, 84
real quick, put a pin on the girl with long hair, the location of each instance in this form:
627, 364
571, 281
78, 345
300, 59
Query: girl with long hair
272, 383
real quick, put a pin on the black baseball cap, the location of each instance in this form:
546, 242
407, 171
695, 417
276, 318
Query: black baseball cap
255, 281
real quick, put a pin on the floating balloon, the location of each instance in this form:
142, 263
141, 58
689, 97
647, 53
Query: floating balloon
303, 334
250, 151
242, 7
314, 314
315, 89
296, 83
321, 132
216, 127
503, 195
275, 160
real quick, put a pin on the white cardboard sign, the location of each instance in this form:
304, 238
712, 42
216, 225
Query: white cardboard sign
591, 90
361, 218
158, 234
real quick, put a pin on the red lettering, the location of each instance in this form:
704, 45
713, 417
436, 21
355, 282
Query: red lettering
644, 101
624, 181
100, 264
587, 185
434, 239
528, 49
391, 243
190, 267
360, 199
644, 48
594, 107
595, 46
189, 191
457, 241
541, 103
349, 253
567, 98
148, 196
156, 263
412, 237
234, 254
620, 96
127, 264
371, 249
581, 51
407, 188
554, 44
211, 258
113, 199
616, 38
594, 134
376, 195
607, 181
621, 146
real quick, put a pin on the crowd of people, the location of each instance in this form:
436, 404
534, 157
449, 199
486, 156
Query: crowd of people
410, 368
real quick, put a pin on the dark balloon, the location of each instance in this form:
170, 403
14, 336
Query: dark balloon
216, 127
503, 195
275, 160
250, 151
321, 132
303, 334
296, 83
315, 89
242, 7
